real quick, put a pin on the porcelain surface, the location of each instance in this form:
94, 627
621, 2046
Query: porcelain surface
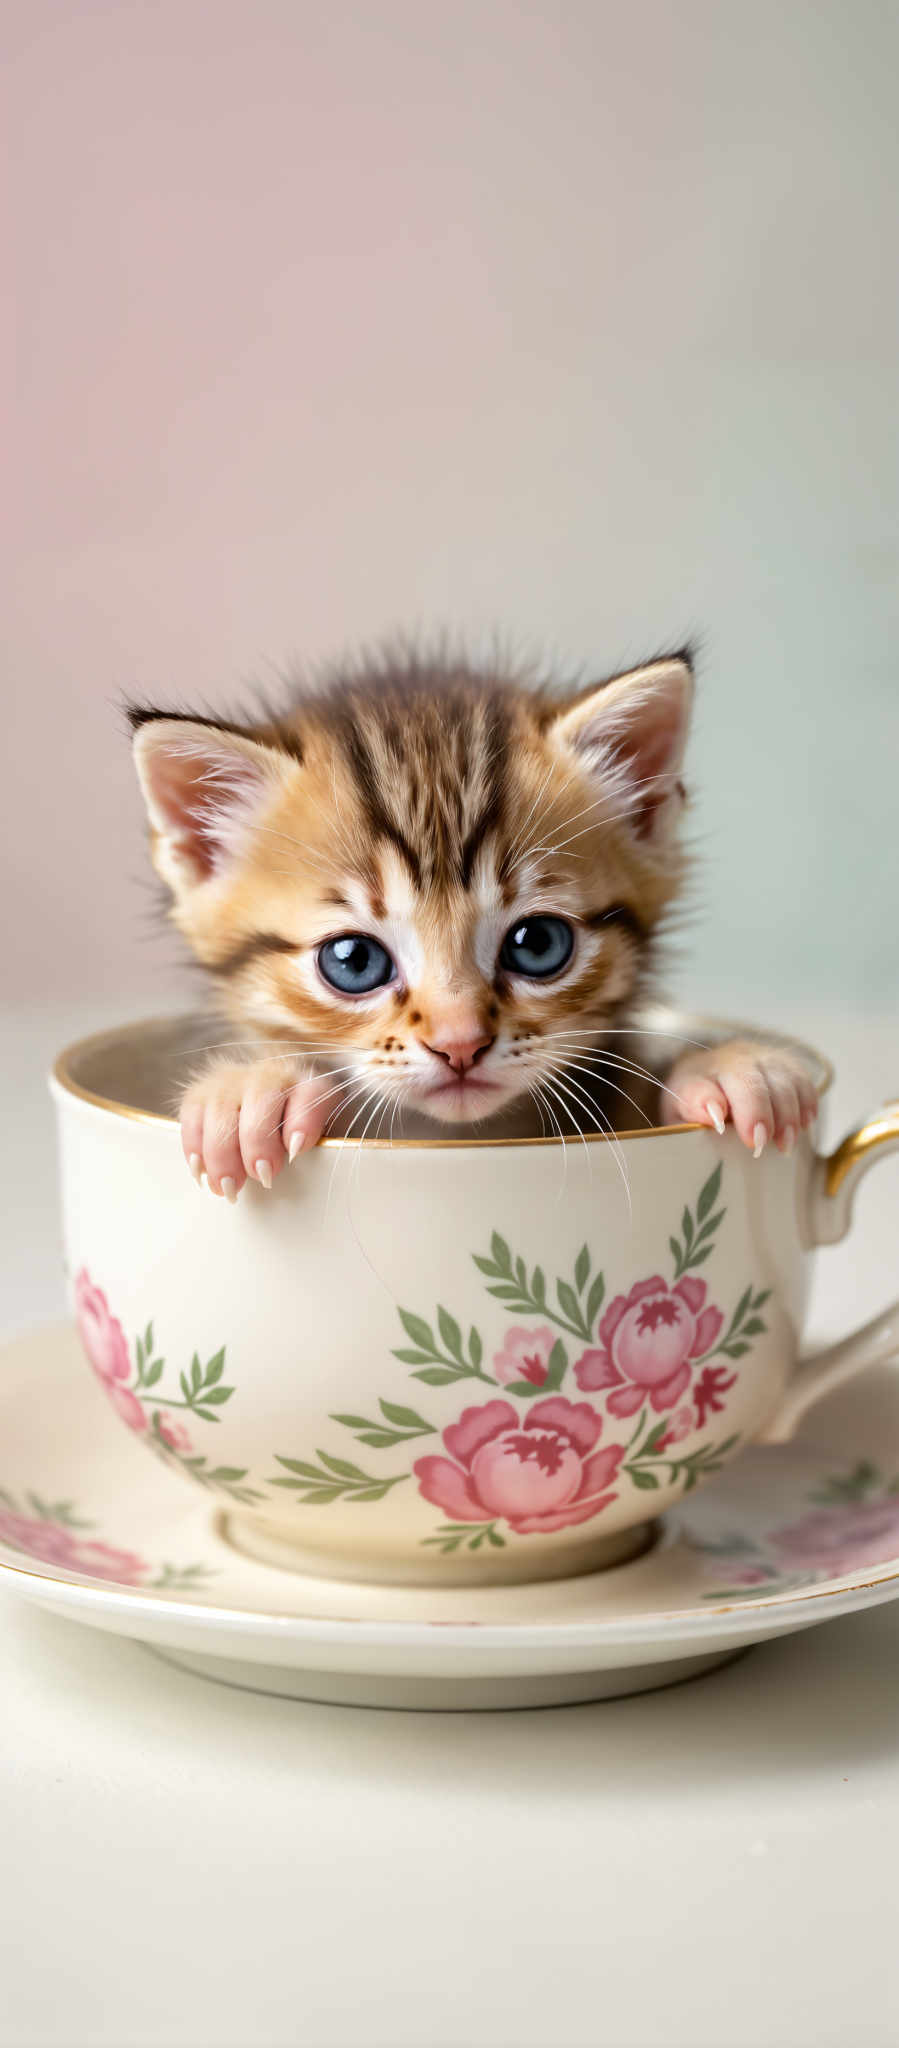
458, 1362
787, 1537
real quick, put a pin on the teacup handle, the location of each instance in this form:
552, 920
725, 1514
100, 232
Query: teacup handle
836, 1177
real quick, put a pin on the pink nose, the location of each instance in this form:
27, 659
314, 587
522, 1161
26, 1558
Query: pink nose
459, 1053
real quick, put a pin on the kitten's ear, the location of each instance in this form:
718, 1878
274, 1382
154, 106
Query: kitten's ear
202, 788
637, 726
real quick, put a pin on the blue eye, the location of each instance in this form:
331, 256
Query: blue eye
537, 947
355, 965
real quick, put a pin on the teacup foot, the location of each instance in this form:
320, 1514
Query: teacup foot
273, 1543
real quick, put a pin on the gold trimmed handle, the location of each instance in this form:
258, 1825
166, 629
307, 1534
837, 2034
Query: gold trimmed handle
836, 1177
838, 1173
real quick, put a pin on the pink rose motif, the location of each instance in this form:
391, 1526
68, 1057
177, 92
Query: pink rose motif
173, 1433
102, 1561
51, 1543
708, 1394
106, 1345
525, 1356
539, 1474
648, 1340
747, 1574
680, 1426
839, 1539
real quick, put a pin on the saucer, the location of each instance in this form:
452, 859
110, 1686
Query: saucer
93, 1529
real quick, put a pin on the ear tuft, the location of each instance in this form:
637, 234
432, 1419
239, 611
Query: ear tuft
202, 786
634, 729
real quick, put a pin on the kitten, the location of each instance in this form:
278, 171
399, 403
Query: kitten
437, 889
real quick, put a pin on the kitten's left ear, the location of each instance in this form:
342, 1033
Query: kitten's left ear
636, 725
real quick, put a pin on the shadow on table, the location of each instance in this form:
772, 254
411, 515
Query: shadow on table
807, 1704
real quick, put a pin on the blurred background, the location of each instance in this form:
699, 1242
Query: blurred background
568, 319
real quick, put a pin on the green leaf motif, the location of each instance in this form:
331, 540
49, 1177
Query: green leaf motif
419, 1331
595, 1300
332, 1479
557, 1367
406, 1418
582, 1268
453, 1536
450, 1332
475, 1347
708, 1195
568, 1301
341, 1467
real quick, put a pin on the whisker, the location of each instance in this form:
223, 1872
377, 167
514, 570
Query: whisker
547, 1088
617, 1061
364, 1091
578, 1132
607, 1127
578, 1067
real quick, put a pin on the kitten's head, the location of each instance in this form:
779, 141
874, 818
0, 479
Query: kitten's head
442, 885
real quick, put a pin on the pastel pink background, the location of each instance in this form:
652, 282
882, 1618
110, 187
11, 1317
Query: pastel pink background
573, 318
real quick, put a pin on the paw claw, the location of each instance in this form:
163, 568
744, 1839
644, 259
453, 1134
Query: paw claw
717, 1119
263, 1173
196, 1166
759, 1140
229, 1189
297, 1141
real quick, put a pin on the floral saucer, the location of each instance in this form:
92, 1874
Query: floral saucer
91, 1528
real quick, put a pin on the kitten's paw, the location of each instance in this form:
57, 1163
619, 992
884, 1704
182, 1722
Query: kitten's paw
242, 1123
765, 1090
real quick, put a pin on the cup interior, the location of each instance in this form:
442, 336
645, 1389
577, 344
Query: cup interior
141, 1069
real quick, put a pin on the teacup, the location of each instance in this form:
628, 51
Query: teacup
451, 1360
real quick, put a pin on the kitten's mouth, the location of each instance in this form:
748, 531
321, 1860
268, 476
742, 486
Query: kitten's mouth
463, 1084
461, 1098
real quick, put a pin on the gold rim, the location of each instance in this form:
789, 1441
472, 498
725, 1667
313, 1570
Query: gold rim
722, 1027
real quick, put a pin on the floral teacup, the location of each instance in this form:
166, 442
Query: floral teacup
450, 1360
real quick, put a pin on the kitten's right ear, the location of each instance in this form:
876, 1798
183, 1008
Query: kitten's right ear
203, 788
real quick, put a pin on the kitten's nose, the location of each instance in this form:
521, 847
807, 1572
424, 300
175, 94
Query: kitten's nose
459, 1053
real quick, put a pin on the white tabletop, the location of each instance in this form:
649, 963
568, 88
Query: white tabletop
187, 1864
